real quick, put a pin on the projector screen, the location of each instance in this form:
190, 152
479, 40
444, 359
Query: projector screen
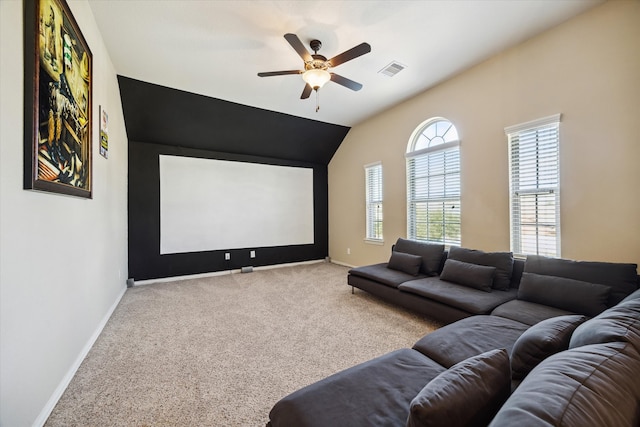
208, 205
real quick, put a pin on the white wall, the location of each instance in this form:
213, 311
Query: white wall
588, 69
63, 260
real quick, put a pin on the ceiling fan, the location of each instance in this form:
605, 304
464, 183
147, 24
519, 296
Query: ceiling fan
316, 67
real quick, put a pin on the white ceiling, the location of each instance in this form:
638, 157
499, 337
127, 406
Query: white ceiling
216, 48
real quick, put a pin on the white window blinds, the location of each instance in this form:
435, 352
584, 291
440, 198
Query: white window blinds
534, 187
373, 189
433, 183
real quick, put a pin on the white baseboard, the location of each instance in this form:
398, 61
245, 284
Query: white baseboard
57, 394
344, 264
220, 273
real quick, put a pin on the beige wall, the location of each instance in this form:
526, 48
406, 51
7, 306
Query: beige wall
588, 69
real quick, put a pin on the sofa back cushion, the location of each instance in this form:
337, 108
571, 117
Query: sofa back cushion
516, 275
431, 254
595, 385
619, 323
567, 294
540, 341
623, 278
466, 395
471, 275
502, 261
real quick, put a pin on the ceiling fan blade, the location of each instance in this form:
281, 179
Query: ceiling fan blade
306, 92
297, 45
348, 83
279, 73
350, 54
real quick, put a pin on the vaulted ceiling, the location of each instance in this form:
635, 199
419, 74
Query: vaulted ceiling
216, 48
188, 69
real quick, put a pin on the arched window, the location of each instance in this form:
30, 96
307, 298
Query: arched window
433, 183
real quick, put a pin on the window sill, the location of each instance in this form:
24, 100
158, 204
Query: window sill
523, 257
374, 241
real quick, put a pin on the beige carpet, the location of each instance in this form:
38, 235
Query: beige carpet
220, 351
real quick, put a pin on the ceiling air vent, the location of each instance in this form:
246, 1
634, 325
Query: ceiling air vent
392, 69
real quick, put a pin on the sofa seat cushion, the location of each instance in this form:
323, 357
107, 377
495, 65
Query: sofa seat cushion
502, 261
594, 385
528, 312
380, 273
374, 393
467, 395
431, 253
623, 278
568, 294
464, 298
542, 340
619, 323
469, 337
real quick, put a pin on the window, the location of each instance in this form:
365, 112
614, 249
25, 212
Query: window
534, 187
433, 183
373, 188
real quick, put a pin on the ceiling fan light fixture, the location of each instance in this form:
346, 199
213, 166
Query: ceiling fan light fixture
315, 73
316, 78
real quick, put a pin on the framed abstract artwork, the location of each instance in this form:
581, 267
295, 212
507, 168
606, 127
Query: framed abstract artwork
58, 101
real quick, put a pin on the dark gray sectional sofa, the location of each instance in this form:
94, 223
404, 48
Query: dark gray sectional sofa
541, 342
446, 300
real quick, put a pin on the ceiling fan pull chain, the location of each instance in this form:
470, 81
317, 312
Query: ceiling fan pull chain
317, 100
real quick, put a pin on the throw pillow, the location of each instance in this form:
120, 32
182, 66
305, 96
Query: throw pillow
466, 395
472, 275
572, 295
431, 254
502, 261
635, 295
595, 385
541, 341
619, 323
407, 263
623, 278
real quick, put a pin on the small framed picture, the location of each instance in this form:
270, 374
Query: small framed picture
104, 133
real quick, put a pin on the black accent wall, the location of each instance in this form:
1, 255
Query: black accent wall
173, 117
162, 120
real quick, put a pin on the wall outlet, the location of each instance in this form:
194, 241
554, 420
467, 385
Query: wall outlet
227, 256
252, 254
348, 251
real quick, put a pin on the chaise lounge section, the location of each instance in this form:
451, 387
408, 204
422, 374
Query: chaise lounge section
562, 349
